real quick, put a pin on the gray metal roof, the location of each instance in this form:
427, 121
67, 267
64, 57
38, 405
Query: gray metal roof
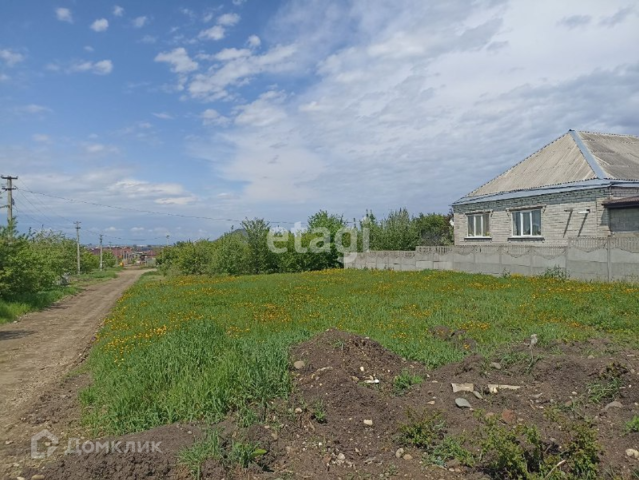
617, 155
574, 158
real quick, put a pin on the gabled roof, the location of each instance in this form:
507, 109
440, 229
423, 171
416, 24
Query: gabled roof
579, 159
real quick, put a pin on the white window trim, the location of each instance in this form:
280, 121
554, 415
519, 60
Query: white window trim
480, 214
521, 212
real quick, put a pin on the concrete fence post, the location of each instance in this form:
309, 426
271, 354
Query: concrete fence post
609, 258
530, 258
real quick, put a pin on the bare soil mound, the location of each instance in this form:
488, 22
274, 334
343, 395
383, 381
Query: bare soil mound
360, 411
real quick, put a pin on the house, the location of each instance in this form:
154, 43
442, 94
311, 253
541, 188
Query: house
582, 185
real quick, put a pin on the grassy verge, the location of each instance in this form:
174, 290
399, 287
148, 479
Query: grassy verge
12, 308
190, 348
15, 307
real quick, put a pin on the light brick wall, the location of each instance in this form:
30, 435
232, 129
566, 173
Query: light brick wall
557, 224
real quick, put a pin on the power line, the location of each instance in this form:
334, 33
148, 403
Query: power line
47, 207
53, 225
23, 210
49, 220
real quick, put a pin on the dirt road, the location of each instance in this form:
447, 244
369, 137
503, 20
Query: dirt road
38, 350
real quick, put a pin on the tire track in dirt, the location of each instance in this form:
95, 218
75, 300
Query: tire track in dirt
39, 349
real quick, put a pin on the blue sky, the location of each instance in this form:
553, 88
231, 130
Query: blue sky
277, 109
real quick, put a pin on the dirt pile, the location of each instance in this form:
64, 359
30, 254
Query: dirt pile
360, 411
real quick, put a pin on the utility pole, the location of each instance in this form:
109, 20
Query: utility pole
100, 251
9, 188
77, 236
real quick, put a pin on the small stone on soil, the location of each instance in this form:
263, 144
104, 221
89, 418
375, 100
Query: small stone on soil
495, 365
408, 457
613, 405
508, 416
399, 452
478, 395
462, 403
632, 453
298, 410
462, 387
299, 364
368, 422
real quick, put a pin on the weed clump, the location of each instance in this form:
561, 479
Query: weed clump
228, 453
632, 426
424, 429
521, 452
405, 380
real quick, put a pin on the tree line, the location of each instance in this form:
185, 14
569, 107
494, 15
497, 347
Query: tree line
36, 261
250, 249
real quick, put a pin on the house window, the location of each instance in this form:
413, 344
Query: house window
479, 225
527, 223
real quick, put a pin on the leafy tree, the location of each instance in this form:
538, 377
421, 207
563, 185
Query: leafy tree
435, 229
231, 255
260, 258
332, 224
108, 259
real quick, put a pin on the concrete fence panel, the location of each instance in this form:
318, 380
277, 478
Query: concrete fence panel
604, 259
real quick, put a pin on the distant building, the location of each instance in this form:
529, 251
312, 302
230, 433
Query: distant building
581, 185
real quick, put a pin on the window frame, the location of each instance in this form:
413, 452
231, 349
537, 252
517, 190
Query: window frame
484, 225
519, 216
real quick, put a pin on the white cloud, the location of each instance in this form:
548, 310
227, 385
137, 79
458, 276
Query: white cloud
213, 84
188, 13
10, 57
149, 39
230, 54
100, 25
254, 41
64, 15
103, 67
40, 138
401, 87
418, 102
176, 200
118, 11
212, 117
137, 189
228, 19
139, 22
179, 60
100, 149
163, 116
33, 109
214, 33
4, 78
89, 48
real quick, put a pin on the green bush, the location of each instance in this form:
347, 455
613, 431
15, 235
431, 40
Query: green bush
33, 262
247, 250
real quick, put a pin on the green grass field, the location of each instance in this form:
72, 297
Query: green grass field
194, 348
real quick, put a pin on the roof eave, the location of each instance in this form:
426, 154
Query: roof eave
564, 187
